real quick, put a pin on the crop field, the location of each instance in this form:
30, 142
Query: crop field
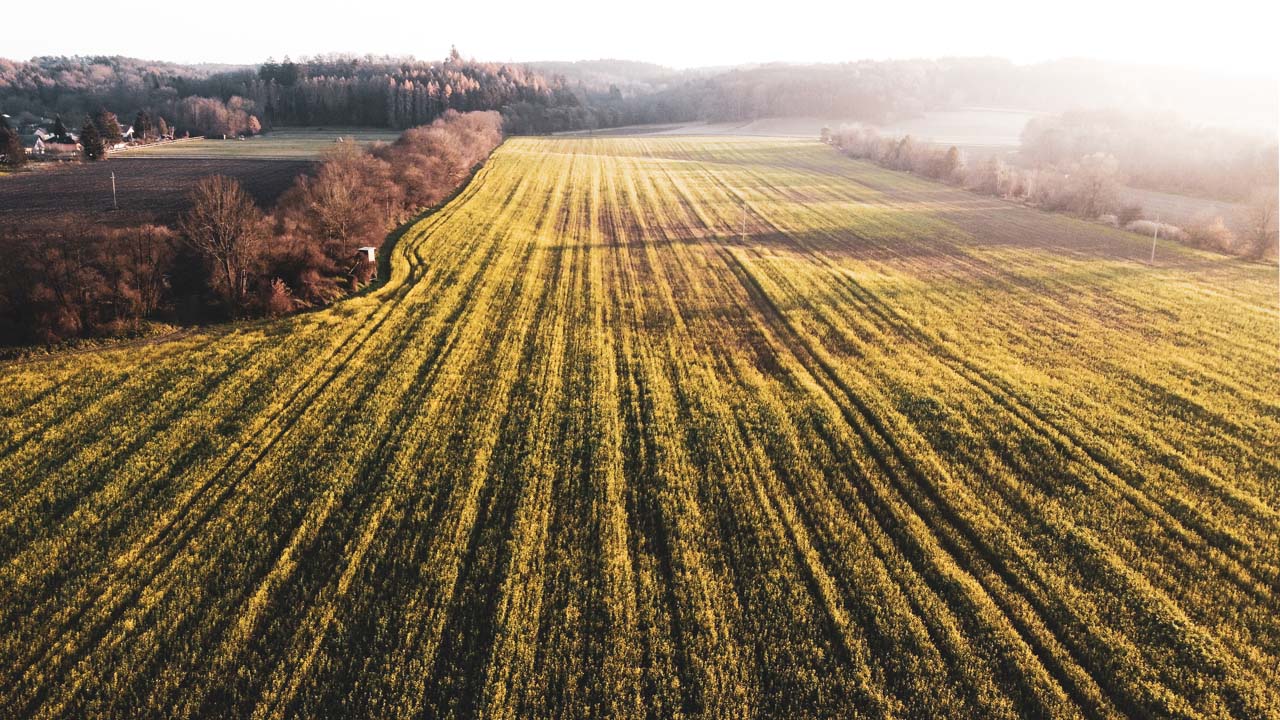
147, 190
977, 130
671, 426
278, 144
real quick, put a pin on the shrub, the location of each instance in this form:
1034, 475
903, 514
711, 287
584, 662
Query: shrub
1128, 213
1149, 227
1211, 235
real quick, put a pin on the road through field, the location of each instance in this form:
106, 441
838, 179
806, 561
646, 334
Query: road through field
671, 426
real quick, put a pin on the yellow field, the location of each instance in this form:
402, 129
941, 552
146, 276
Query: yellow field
900, 451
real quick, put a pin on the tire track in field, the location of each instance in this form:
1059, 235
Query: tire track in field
1045, 428
486, 578
298, 405
820, 370
650, 547
700, 611
863, 422
442, 344
367, 514
1170, 606
941, 644
285, 679
708, 223
439, 506
398, 519
293, 403
898, 323
182, 536
821, 577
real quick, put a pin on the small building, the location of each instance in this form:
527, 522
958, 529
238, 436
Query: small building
367, 253
49, 150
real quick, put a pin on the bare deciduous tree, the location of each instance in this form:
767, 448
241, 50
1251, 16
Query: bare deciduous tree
1262, 221
227, 229
1094, 184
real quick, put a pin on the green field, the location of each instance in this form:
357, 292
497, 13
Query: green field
658, 427
283, 144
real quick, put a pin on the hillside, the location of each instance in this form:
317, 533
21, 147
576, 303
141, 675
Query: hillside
651, 426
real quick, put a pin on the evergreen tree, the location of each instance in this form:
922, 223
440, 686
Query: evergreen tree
142, 125
108, 126
91, 141
11, 145
60, 134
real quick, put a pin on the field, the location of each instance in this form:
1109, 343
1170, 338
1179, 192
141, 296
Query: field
974, 129
279, 144
658, 427
1184, 211
148, 190
977, 130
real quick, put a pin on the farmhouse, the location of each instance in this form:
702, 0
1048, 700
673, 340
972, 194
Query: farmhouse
49, 150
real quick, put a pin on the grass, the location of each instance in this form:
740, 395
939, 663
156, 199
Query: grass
282, 143
901, 451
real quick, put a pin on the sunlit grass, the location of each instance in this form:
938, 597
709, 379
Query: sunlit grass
899, 451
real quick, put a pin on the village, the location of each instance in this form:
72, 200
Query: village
48, 139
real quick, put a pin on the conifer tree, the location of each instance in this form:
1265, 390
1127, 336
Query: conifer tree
11, 145
108, 126
60, 134
142, 125
91, 141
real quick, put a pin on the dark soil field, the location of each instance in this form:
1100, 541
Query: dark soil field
153, 190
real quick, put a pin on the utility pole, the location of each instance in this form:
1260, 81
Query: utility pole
1155, 233
114, 204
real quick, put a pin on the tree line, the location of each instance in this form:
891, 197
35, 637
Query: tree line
226, 257
876, 92
1084, 181
324, 90
549, 97
1157, 152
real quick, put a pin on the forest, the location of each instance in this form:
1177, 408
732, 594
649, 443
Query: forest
339, 90
546, 97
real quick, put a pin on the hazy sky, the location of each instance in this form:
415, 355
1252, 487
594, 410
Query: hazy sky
1226, 34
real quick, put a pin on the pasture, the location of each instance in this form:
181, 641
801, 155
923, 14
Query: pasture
671, 426
286, 143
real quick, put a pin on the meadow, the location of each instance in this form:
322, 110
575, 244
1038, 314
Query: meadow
671, 427
286, 143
